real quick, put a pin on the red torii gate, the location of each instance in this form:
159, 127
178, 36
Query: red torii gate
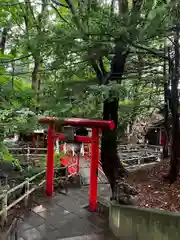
96, 125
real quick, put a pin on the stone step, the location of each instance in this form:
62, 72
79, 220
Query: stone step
90, 237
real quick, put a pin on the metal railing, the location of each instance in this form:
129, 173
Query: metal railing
132, 155
27, 151
6, 193
28, 190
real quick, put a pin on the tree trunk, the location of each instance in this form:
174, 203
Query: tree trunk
36, 82
110, 160
34, 75
3, 39
166, 121
166, 103
174, 106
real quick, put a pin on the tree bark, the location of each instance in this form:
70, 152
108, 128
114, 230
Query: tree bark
34, 75
166, 121
166, 104
111, 164
110, 160
36, 80
3, 39
174, 106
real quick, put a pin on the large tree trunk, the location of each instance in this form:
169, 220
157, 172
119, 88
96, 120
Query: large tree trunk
110, 160
167, 94
174, 106
166, 121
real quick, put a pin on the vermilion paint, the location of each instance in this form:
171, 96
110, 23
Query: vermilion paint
50, 162
94, 140
79, 122
94, 169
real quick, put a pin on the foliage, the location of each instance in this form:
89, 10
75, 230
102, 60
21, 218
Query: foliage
46, 61
5, 155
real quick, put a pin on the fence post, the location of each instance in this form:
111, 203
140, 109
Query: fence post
6, 180
4, 207
145, 148
27, 192
28, 154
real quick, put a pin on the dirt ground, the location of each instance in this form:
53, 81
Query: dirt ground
154, 192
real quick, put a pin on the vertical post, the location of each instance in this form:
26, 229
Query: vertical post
78, 162
50, 162
82, 149
66, 181
27, 192
94, 169
160, 136
4, 207
42, 139
28, 155
34, 140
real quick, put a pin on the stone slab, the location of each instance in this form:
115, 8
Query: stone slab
140, 223
64, 217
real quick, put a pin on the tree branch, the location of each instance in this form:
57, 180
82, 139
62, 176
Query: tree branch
152, 51
97, 71
101, 64
59, 14
73, 11
59, 4
15, 59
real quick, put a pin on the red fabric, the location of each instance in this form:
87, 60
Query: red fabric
67, 161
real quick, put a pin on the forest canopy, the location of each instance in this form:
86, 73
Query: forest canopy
113, 59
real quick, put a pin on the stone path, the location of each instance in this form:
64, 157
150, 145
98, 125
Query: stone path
64, 217
85, 172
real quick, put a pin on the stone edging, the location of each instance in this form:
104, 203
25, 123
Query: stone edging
143, 224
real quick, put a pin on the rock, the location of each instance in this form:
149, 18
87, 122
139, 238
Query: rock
124, 194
